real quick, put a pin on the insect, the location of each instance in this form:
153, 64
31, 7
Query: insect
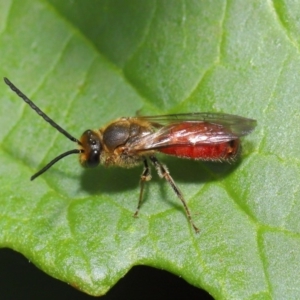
127, 142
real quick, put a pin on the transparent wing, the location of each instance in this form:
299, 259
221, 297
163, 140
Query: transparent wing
239, 126
193, 129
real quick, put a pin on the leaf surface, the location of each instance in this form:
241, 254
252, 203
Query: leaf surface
86, 63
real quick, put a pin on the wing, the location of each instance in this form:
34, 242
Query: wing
239, 126
193, 129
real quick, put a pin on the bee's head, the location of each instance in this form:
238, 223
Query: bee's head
90, 147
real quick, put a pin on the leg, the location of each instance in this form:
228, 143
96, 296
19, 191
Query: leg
163, 172
146, 176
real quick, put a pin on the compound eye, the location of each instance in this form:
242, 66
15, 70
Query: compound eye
93, 159
90, 157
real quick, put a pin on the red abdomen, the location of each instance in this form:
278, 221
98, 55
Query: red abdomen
199, 141
223, 151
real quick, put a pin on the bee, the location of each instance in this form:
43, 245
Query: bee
130, 141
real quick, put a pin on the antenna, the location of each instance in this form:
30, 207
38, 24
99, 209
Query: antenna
52, 123
52, 162
40, 112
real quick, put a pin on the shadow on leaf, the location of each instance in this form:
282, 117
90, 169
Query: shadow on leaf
114, 179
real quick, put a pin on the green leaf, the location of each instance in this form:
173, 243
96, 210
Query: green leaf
87, 62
